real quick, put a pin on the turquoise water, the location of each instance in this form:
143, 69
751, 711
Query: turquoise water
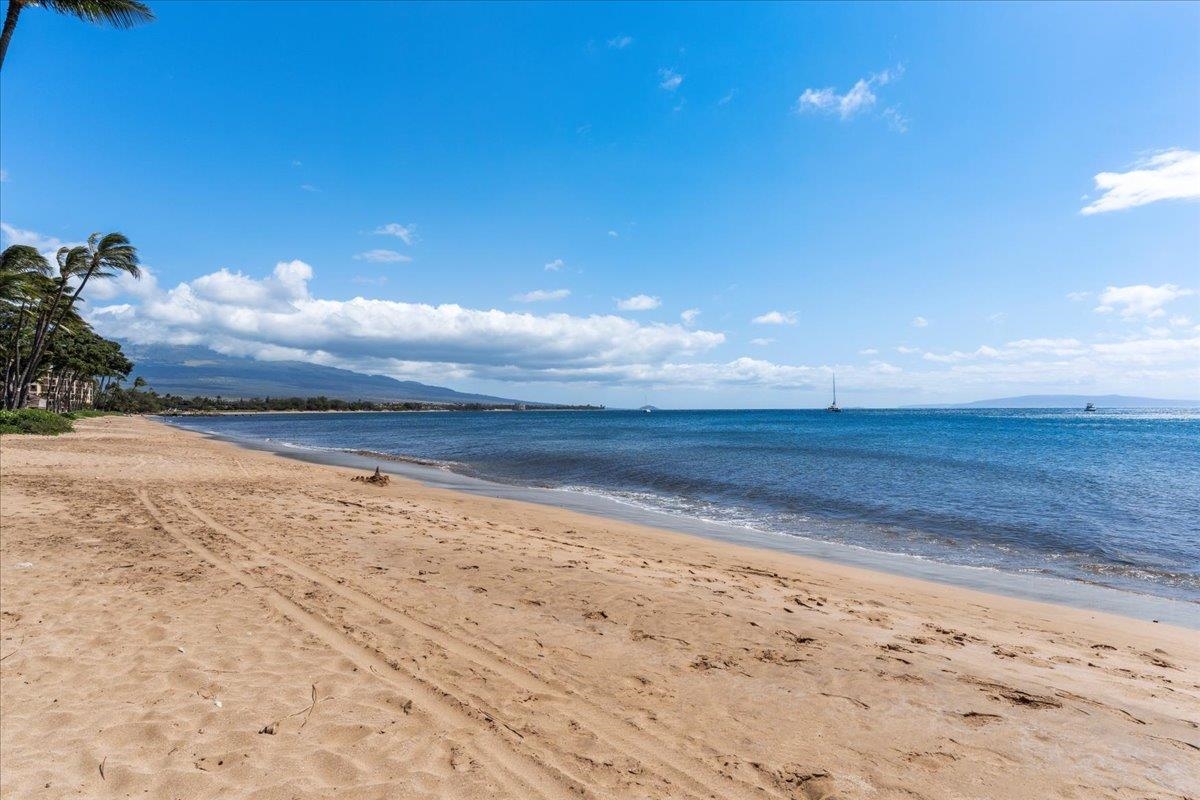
1109, 498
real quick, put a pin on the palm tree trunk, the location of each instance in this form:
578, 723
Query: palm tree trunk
10, 25
12, 365
42, 335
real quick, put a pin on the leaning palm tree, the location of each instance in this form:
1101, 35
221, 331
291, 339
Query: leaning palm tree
18, 264
102, 257
118, 13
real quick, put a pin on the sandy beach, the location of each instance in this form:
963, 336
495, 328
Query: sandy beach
182, 618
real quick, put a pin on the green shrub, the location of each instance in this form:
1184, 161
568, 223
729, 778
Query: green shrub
87, 413
34, 420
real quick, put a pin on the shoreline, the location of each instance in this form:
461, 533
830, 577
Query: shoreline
184, 617
1070, 593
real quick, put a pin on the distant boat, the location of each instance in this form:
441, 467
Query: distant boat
833, 407
1090, 408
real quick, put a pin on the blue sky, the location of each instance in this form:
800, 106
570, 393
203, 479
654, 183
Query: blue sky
529, 199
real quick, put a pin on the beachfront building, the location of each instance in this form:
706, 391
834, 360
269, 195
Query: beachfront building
56, 391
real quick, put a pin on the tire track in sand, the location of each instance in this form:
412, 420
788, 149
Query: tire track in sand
488, 743
625, 736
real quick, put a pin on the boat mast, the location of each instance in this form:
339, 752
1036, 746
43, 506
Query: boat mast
835, 388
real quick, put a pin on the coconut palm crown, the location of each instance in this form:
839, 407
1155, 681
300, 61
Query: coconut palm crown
117, 13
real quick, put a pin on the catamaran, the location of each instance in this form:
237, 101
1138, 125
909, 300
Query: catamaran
833, 407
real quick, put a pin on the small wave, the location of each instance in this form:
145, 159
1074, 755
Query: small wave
298, 446
450, 466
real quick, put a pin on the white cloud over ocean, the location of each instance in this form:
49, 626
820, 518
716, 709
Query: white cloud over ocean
639, 302
858, 99
405, 233
1168, 175
542, 295
776, 318
1141, 300
382, 256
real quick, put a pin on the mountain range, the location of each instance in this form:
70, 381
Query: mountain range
200, 372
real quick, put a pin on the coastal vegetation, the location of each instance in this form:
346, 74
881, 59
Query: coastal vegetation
41, 422
139, 399
35, 421
40, 326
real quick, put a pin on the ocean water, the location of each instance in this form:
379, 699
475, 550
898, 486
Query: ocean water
1111, 498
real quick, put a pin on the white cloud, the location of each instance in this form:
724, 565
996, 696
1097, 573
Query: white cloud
3, 176
614, 234
727, 98
123, 285
276, 318
689, 316
620, 42
775, 318
920, 322
1078, 297
1167, 175
287, 284
380, 256
543, 295
1140, 300
946, 358
1058, 347
761, 341
46, 245
555, 265
639, 302
308, 187
405, 233
857, 99
669, 79
895, 120
998, 316
870, 351
905, 350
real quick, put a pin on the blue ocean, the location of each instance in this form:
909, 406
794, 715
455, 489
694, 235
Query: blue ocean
1110, 498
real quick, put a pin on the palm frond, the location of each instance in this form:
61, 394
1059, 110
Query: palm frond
72, 261
118, 13
20, 258
20, 266
111, 254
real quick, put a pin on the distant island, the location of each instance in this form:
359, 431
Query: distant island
1070, 401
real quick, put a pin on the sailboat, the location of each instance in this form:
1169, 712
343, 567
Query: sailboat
833, 407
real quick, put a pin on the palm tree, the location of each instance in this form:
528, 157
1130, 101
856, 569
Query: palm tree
18, 264
118, 13
24, 280
102, 257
